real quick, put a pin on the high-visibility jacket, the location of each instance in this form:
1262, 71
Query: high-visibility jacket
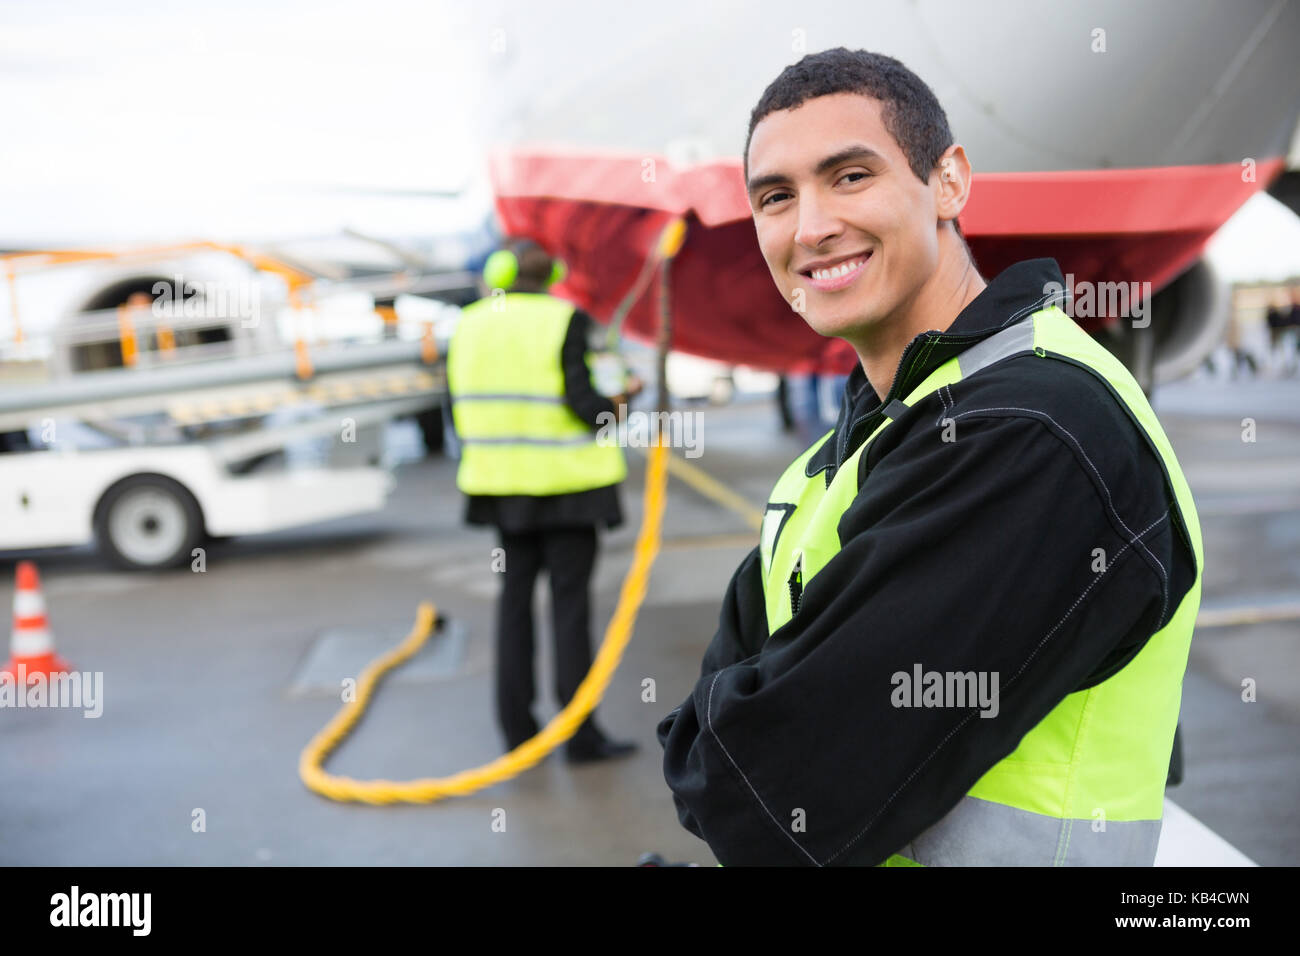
1089, 779
518, 436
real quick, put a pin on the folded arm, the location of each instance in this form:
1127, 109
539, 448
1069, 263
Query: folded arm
970, 556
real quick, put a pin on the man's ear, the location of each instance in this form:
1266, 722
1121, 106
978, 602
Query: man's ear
951, 181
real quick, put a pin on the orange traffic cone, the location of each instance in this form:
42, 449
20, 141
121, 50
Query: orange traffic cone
31, 649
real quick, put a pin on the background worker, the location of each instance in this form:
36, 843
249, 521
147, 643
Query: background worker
526, 414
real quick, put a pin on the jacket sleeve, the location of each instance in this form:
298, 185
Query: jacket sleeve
969, 555
586, 402
742, 622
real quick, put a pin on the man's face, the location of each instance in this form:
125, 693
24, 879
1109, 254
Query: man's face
830, 185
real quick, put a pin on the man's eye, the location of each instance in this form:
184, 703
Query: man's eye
847, 175
772, 196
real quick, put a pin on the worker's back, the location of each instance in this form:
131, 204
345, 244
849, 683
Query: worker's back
506, 379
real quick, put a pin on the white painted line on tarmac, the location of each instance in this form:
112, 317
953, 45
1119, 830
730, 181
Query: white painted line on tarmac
96, 583
1186, 841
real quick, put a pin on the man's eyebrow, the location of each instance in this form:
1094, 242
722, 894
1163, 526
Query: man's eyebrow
847, 154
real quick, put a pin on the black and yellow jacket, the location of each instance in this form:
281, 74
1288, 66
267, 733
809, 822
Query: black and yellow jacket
981, 546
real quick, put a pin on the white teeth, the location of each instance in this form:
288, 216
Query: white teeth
844, 268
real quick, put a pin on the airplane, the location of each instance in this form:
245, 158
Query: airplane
1114, 137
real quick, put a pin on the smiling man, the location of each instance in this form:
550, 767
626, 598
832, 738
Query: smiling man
962, 635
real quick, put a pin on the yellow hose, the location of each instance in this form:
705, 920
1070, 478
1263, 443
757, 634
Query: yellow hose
531, 752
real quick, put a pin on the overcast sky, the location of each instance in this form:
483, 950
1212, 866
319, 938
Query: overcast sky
122, 116
141, 119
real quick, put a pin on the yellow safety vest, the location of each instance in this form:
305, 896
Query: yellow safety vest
518, 436
1086, 785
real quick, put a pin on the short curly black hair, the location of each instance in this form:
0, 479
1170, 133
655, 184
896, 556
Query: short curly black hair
910, 111
535, 263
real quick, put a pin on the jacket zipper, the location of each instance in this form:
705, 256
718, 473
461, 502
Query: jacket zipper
844, 439
895, 389
796, 583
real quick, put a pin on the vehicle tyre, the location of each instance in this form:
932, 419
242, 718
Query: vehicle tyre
147, 522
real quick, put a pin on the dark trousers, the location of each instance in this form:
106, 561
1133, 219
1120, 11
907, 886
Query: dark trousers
569, 555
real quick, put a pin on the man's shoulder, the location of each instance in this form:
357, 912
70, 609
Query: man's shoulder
1051, 437
1073, 399
1077, 415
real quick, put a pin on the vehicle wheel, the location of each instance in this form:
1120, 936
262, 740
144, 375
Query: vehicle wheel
148, 522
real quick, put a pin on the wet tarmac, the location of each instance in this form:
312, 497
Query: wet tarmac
213, 682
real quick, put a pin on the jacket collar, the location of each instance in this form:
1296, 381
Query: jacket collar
1016, 292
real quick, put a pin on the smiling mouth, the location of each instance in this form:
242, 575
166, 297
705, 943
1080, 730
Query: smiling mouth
838, 276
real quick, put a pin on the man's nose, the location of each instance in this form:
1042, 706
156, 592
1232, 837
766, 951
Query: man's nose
818, 221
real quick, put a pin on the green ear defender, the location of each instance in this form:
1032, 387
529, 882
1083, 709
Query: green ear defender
502, 269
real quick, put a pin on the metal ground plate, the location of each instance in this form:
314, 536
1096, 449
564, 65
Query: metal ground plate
339, 654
